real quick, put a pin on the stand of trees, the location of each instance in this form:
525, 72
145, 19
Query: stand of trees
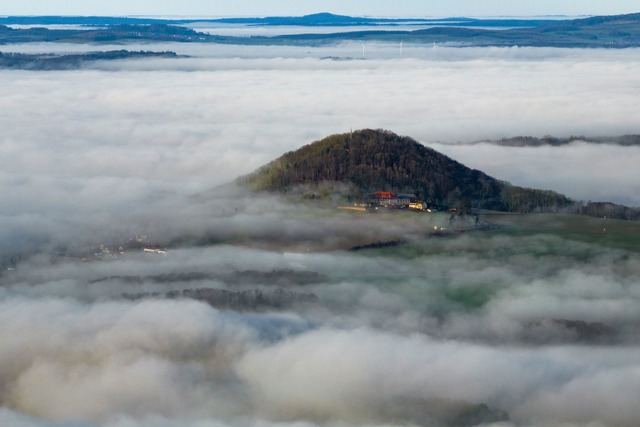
379, 160
609, 210
528, 200
22, 61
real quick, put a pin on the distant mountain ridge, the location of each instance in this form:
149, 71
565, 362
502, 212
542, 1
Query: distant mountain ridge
531, 141
120, 33
368, 160
618, 31
315, 19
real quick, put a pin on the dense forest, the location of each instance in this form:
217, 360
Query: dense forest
530, 141
121, 33
376, 160
46, 62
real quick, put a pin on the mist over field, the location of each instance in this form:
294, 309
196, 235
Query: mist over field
420, 334
480, 328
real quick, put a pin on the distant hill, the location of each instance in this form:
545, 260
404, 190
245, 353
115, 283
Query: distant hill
333, 20
375, 160
619, 31
530, 141
312, 20
120, 33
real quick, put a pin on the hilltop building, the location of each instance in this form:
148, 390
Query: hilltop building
392, 200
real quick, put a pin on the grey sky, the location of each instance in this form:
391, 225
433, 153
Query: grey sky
300, 7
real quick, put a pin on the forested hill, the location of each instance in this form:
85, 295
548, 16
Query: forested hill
618, 31
121, 33
374, 160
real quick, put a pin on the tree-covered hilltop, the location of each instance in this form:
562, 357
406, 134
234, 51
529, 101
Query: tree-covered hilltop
376, 160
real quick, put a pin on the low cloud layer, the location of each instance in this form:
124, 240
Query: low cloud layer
239, 107
134, 139
478, 328
541, 330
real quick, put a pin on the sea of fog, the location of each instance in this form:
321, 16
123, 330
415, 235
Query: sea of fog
225, 110
540, 328
534, 330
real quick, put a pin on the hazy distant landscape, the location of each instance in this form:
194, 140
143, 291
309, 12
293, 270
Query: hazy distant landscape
611, 32
187, 235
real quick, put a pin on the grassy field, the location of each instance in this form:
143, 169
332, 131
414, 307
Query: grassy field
611, 233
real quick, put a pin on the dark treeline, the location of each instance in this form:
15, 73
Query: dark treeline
528, 200
620, 31
277, 277
312, 20
120, 33
246, 300
46, 62
609, 210
531, 141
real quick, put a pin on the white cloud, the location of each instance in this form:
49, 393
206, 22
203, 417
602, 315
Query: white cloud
136, 147
392, 337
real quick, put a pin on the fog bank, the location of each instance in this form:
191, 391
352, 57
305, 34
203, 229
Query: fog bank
532, 327
479, 328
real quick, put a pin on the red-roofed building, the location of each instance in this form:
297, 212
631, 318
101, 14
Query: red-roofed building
390, 200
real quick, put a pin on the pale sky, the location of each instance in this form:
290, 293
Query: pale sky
409, 8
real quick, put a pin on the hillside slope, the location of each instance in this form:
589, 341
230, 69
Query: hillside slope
375, 160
